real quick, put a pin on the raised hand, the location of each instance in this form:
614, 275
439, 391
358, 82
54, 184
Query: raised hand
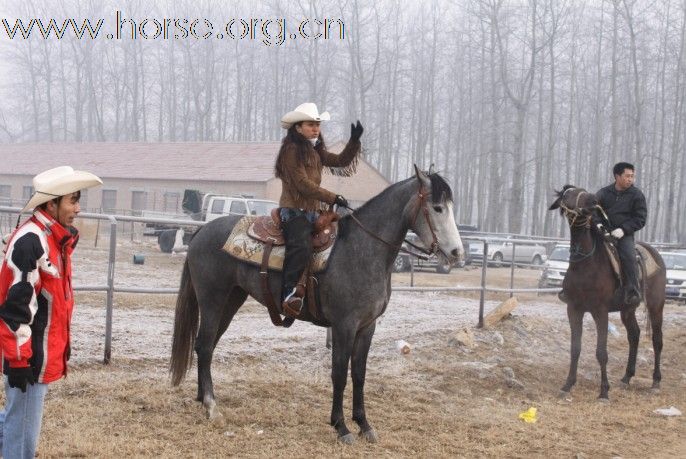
356, 131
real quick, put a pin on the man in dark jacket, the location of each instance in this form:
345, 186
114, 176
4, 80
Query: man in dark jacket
625, 206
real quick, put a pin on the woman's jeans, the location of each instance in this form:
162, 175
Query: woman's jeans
297, 228
20, 421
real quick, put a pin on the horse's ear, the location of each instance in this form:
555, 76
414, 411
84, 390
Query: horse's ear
421, 176
431, 169
555, 205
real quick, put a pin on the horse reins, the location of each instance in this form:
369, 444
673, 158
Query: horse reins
421, 205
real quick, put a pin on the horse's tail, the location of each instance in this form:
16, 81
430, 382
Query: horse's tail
185, 328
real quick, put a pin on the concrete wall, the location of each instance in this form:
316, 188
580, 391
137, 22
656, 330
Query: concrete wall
167, 195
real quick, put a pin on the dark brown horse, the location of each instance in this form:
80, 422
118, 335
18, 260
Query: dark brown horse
590, 285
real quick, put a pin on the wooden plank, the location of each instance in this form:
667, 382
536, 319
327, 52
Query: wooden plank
499, 313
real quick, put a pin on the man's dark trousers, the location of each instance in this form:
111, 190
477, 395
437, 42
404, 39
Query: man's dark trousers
627, 256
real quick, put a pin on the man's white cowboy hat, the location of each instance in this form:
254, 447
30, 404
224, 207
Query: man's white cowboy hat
57, 182
303, 112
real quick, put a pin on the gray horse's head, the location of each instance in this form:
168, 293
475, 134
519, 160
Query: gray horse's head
434, 220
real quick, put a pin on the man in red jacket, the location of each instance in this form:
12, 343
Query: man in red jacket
36, 304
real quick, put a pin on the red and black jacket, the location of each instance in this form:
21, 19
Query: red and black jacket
36, 297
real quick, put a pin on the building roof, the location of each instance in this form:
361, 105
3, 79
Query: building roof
206, 161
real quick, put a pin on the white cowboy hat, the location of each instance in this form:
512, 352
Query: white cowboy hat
303, 112
57, 182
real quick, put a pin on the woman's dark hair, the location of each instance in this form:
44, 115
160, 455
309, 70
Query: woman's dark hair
303, 148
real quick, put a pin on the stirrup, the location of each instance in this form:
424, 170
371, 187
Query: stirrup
292, 305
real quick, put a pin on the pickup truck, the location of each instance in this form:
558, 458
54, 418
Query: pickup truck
207, 207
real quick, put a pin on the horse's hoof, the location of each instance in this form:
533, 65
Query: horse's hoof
624, 385
655, 389
564, 395
370, 435
218, 421
347, 439
602, 399
213, 413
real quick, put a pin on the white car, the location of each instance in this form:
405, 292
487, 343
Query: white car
555, 268
500, 252
676, 274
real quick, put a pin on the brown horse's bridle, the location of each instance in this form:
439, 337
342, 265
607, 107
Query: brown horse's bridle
574, 216
422, 204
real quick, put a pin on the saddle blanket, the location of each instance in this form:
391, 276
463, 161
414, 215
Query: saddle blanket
243, 247
650, 263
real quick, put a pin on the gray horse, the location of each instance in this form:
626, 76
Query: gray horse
354, 290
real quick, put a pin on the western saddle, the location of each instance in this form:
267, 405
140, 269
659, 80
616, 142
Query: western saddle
267, 229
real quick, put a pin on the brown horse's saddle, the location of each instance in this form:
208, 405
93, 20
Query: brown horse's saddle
647, 264
252, 235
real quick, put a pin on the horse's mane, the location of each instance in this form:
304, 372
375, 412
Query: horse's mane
440, 190
561, 193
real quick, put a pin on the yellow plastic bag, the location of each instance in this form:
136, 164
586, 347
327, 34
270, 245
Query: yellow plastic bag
528, 415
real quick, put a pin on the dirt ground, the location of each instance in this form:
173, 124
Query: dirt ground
273, 385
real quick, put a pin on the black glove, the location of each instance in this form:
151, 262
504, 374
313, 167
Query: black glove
356, 131
20, 377
340, 201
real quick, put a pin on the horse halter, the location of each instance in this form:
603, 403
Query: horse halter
576, 253
422, 204
573, 215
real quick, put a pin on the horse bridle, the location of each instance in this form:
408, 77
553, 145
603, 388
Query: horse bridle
573, 214
422, 204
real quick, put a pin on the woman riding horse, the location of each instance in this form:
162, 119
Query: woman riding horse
299, 165
353, 290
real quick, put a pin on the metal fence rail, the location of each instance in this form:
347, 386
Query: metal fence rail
110, 288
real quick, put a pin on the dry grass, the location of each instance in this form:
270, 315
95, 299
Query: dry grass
428, 404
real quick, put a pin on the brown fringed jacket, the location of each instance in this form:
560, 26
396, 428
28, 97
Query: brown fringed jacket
300, 165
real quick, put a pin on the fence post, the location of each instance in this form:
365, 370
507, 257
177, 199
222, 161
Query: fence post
484, 263
110, 289
512, 267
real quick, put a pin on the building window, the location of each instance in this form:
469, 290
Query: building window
139, 200
171, 202
5, 195
26, 192
109, 200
